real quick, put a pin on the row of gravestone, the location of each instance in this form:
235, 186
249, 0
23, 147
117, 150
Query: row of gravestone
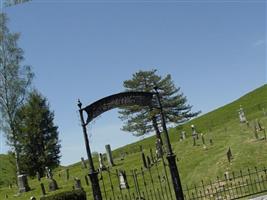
195, 137
159, 154
101, 159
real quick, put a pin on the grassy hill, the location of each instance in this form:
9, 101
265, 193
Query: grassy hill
195, 162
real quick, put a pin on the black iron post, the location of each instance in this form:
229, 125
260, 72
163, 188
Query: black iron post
92, 172
170, 155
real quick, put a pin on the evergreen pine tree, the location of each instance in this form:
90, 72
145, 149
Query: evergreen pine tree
40, 145
143, 120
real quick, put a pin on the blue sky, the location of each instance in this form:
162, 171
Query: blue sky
214, 50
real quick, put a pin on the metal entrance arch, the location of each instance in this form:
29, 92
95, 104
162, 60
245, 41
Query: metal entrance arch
118, 100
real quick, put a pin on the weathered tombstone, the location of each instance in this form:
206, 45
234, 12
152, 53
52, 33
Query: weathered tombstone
49, 174
264, 112
241, 114
203, 139
211, 141
67, 174
83, 163
43, 189
229, 155
123, 180
159, 150
144, 159
52, 185
109, 155
151, 155
86, 180
259, 125
256, 131
194, 132
226, 175
23, 185
122, 155
259, 128
101, 163
38, 176
148, 162
10, 186
77, 183
182, 136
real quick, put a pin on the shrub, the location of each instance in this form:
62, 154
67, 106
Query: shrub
68, 195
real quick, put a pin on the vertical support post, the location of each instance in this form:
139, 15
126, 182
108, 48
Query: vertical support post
92, 172
170, 155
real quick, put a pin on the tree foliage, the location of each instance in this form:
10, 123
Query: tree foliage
143, 120
15, 80
38, 136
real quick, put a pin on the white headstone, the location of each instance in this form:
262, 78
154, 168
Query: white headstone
242, 117
23, 183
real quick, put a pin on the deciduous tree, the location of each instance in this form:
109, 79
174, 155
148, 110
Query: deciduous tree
15, 80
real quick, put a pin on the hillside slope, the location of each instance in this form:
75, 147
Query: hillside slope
195, 163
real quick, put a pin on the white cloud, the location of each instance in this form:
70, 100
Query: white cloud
259, 43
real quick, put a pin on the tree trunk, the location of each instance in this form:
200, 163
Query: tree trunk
17, 161
155, 125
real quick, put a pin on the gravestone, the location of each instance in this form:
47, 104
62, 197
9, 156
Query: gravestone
182, 135
194, 132
83, 163
241, 114
256, 131
259, 128
77, 183
151, 155
43, 189
159, 150
67, 174
23, 185
48, 172
148, 161
226, 175
122, 155
144, 159
101, 163
123, 180
264, 112
38, 176
52, 185
229, 155
203, 138
211, 141
86, 180
109, 155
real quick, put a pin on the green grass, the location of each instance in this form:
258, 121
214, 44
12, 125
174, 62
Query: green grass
195, 163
